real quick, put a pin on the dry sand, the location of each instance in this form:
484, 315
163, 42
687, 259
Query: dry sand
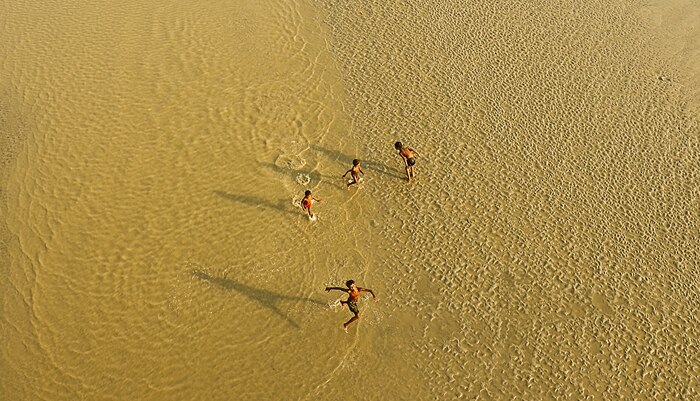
153, 155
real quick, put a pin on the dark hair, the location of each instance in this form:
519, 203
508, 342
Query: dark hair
356, 162
349, 283
307, 193
398, 145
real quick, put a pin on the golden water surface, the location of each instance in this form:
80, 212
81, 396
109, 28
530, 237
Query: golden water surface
154, 154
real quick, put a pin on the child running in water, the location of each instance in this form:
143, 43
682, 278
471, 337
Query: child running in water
354, 172
354, 293
409, 158
308, 201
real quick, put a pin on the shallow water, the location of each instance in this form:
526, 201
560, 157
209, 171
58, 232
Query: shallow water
154, 155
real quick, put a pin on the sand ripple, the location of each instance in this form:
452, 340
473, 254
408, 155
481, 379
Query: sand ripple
552, 213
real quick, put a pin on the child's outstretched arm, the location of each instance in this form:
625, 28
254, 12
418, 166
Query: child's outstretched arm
370, 291
346, 173
363, 173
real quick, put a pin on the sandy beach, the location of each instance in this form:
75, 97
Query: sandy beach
153, 157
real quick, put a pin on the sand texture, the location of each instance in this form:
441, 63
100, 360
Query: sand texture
154, 156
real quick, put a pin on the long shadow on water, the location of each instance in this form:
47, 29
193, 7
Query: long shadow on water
369, 165
265, 298
282, 205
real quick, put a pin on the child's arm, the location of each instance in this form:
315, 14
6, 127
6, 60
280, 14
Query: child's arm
337, 288
363, 173
402, 157
368, 290
413, 151
346, 173
316, 199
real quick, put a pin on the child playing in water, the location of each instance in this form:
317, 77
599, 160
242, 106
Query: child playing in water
354, 293
308, 201
354, 172
409, 158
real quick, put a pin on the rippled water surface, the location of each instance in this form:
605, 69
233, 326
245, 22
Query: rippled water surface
154, 155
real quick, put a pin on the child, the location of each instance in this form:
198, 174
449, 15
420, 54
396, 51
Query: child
354, 172
409, 158
308, 201
354, 293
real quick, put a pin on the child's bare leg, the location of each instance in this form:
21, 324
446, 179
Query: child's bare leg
408, 173
345, 325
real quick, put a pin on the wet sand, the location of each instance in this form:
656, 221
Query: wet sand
153, 157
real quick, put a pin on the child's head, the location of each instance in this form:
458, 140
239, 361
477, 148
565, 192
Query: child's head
356, 162
398, 145
307, 193
349, 283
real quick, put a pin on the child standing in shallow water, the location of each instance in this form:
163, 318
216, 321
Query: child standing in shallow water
409, 158
308, 201
354, 172
354, 293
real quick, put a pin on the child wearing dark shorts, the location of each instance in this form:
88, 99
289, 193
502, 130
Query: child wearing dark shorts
354, 293
409, 158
